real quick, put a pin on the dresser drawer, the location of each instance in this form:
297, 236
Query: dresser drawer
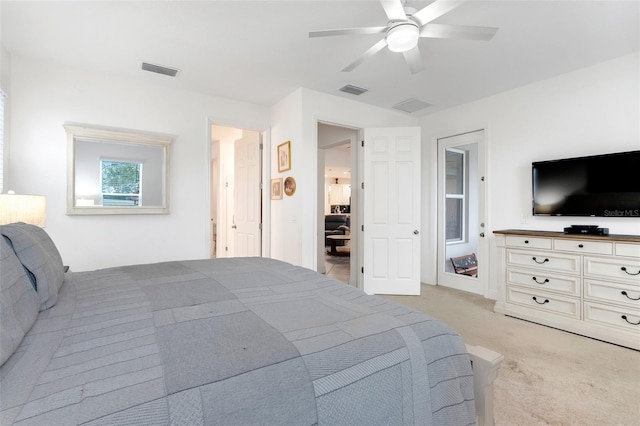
544, 261
622, 294
628, 250
626, 318
544, 301
613, 269
528, 242
588, 247
565, 284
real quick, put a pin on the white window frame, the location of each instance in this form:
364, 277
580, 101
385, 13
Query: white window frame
463, 197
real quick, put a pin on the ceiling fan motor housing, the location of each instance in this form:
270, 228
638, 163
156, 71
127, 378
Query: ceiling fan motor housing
403, 36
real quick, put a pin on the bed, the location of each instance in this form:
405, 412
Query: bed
236, 341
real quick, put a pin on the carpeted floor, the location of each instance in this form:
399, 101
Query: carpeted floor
549, 377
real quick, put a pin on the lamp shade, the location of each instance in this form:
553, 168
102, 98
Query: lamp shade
23, 208
403, 37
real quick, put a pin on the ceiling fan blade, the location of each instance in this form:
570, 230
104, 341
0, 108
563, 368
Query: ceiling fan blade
414, 60
366, 55
394, 9
435, 10
461, 32
348, 31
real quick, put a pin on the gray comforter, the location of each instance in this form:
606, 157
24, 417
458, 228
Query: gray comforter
232, 341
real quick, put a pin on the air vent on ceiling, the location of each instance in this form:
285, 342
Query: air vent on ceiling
354, 90
171, 72
411, 105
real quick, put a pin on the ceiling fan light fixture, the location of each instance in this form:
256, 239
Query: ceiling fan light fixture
403, 37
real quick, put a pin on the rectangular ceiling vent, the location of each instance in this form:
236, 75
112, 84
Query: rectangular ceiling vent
412, 105
354, 90
159, 69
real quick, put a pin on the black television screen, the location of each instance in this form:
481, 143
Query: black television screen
601, 185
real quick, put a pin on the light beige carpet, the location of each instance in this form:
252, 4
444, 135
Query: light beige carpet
549, 377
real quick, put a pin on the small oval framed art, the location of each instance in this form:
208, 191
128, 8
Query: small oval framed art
289, 186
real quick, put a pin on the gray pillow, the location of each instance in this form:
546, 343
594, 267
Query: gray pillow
39, 255
19, 303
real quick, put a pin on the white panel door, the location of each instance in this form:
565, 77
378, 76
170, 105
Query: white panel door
246, 218
392, 211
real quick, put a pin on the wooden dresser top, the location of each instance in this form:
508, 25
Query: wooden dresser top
551, 234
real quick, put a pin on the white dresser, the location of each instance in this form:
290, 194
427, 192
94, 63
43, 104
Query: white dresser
586, 284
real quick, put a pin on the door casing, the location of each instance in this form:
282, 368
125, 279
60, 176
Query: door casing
478, 229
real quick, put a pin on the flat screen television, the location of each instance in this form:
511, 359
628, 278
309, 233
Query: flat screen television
601, 185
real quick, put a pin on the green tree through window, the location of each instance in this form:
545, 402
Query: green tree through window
120, 183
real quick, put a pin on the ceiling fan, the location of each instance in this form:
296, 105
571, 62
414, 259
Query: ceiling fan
405, 26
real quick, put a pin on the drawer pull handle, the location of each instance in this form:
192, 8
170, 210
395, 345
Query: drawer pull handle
544, 261
624, 268
526, 241
540, 303
581, 245
624, 317
624, 293
546, 280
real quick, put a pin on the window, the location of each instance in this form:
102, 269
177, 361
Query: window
455, 194
120, 183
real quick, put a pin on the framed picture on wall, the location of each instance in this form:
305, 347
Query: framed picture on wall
276, 189
284, 156
289, 186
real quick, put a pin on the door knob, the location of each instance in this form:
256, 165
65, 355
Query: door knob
416, 232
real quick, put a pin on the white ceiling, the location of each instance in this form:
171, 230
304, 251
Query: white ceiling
259, 51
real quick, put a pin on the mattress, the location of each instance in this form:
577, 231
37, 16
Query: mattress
236, 341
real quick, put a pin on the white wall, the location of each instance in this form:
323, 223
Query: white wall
337, 157
294, 220
586, 112
45, 95
5, 86
5, 67
286, 220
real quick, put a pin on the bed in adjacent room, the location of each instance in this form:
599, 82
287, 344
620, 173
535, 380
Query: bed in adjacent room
235, 341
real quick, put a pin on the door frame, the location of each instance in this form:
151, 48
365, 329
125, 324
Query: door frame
484, 244
357, 196
355, 278
265, 159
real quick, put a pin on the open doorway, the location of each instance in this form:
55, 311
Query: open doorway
236, 195
337, 212
336, 164
387, 159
